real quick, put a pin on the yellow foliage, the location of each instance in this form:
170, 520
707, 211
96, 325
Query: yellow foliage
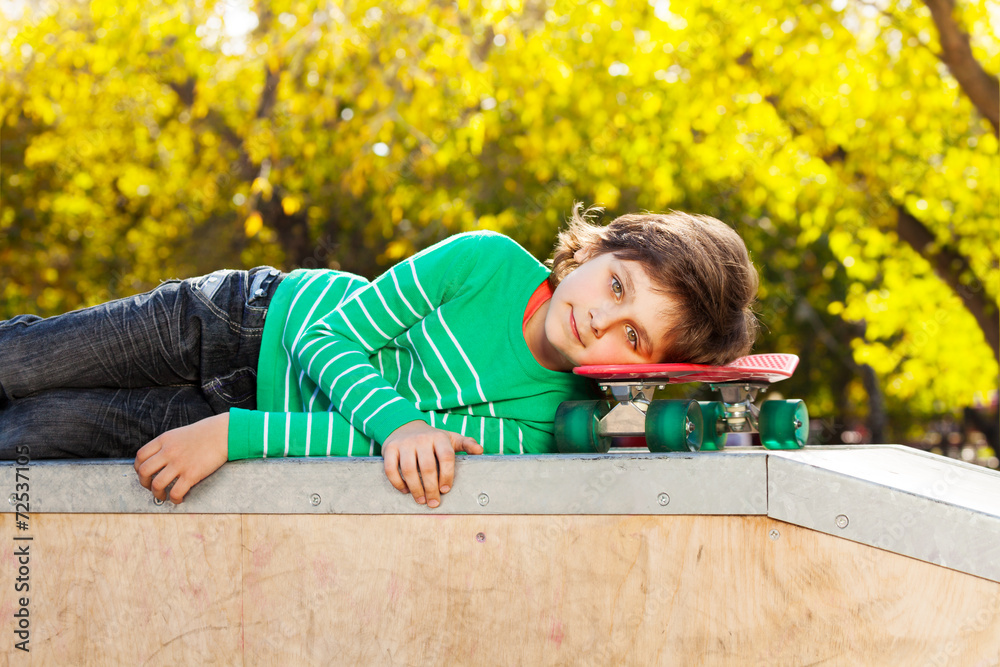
252, 225
499, 115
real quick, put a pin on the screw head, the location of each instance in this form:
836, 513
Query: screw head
480, 537
315, 499
484, 499
774, 534
842, 521
10, 498
663, 499
157, 501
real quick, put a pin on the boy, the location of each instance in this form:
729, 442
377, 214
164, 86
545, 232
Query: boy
465, 345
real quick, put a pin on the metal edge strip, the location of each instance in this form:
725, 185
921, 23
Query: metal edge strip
621, 483
901, 522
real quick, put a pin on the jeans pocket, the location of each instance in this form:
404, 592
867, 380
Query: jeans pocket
235, 390
211, 283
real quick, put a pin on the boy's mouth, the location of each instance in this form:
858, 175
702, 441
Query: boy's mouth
572, 324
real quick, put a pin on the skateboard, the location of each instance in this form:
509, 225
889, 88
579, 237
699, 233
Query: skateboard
684, 425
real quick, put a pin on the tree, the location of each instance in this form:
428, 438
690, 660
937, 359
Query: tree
850, 143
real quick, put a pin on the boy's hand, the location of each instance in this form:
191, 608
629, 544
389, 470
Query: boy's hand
188, 454
419, 444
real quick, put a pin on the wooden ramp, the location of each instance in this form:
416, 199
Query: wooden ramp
838, 556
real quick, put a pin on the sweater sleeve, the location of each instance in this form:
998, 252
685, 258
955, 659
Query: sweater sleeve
498, 435
277, 434
334, 351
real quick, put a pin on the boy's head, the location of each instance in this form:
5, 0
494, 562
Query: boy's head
697, 266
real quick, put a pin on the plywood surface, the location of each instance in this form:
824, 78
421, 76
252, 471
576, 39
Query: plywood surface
127, 589
485, 590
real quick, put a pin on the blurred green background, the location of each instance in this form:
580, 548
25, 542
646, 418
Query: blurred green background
853, 144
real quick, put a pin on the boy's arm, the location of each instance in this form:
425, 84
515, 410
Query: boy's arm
334, 351
419, 458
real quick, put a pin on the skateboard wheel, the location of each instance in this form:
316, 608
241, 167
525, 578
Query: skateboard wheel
712, 413
783, 424
576, 427
674, 426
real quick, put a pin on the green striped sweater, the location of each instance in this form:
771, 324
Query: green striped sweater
345, 362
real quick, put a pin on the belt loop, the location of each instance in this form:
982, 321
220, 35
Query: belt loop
261, 283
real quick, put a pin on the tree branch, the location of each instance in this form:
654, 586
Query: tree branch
950, 267
982, 88
948, 263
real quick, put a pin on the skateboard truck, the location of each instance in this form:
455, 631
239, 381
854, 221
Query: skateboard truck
738, 402
628, 417
684, 425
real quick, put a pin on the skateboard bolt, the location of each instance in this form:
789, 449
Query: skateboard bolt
484, 499
663, 499
689, 426
798, 423
480, 537
842, 521
774, 534
10, 499
157, 501
315, 499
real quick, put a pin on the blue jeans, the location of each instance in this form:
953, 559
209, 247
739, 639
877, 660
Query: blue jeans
103, 381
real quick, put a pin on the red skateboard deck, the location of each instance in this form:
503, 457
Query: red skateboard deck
754, 368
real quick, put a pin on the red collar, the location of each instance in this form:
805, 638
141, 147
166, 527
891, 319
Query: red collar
542, 294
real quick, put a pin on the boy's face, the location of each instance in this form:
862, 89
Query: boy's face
606, 312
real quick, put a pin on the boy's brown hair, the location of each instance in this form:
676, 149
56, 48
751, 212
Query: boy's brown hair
695, 259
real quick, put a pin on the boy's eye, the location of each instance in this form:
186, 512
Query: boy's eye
616, 286
632, 336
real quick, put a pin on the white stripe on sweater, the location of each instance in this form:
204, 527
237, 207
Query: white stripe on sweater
386, 306
424, 368
336, 379
266, 414
437, 353
468, 363
340, 409
376, 327
288, 426
378, 409
309, 428
329, 434
399, 291
362, 402
351, 327
413, 270
312, 310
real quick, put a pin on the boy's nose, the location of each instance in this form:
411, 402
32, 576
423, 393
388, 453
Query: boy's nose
600, 320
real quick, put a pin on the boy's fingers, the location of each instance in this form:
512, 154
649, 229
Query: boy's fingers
180, 490
411, 476
162, 481
145, 452
429, 475
446, 467
390, 462
469, 446
148, 470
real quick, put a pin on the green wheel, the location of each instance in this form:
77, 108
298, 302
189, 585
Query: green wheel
576, 427
673, 426
712, 415
783, 424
